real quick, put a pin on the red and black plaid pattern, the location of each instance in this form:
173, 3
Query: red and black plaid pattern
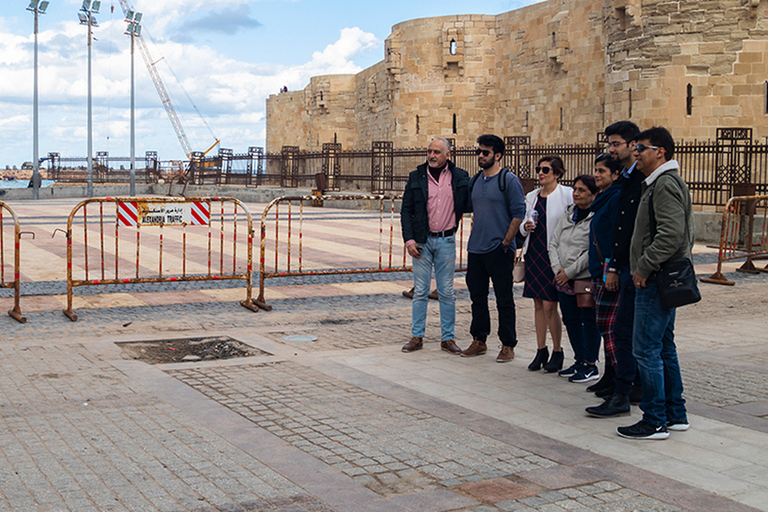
606, 305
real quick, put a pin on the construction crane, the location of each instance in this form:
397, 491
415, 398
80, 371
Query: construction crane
161, 90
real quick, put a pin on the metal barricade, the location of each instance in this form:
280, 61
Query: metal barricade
738, 236
15, 248
179, 237
287, 263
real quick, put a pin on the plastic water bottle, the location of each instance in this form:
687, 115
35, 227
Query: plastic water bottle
534, 217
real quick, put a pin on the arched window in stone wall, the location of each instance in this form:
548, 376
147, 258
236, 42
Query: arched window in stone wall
455, 126
453, 47
417, 124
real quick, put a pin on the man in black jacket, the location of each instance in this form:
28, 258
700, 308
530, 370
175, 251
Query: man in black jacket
435, 198
621, 142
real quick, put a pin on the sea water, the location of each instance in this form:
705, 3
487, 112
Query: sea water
24, 183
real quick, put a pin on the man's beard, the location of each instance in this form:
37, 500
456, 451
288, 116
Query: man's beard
486, 164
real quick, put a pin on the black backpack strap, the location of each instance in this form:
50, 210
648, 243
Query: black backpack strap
472, 181
503, 179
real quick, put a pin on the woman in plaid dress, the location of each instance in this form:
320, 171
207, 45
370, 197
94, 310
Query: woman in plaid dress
544, 207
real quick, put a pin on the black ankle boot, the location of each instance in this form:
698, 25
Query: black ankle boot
606, 381
555, 363
615, 405
542, 355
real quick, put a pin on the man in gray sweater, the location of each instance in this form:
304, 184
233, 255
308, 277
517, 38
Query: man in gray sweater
663, 231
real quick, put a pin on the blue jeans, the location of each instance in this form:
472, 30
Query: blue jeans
653, 345
582, 328
440, 253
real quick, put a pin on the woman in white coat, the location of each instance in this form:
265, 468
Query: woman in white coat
544, 207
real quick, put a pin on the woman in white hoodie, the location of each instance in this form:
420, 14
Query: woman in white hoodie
544, 207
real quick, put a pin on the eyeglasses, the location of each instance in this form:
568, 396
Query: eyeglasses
616, 144
485, 152
642, 147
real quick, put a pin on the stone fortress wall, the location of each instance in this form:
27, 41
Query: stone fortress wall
558, 71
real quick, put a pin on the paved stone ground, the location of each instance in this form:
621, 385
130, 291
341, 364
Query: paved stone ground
349, 423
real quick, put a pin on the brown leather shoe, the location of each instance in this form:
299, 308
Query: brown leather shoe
413, 345
450, 346
477, 348
433, 295
506, 355
408, 294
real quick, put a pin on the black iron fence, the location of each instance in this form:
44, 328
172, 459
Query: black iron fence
733, 164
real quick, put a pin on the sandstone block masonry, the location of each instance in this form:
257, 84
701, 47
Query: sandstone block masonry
558, 71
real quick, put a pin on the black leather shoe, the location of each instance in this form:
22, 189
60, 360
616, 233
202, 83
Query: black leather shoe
616, 405
542, 355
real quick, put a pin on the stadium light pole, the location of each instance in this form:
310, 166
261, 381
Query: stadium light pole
133, 30
37, 7
86, 16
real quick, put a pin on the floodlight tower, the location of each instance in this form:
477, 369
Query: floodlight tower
86, 16
133, 30
37, 7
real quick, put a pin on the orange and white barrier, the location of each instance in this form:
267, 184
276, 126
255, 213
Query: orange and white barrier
744, 234
156, 240
381, 248
10, 245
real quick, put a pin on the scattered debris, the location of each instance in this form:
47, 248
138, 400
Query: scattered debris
188, 349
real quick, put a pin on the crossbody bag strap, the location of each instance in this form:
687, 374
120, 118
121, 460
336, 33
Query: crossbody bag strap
597, 246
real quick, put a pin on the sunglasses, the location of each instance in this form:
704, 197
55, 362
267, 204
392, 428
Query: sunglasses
484, 152
642, 147
543, 169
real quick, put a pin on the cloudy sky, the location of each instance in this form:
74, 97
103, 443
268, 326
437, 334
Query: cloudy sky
222, 56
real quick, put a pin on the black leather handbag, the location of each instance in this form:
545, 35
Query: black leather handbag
677, 284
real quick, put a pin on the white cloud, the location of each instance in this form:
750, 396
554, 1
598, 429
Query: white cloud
230, 94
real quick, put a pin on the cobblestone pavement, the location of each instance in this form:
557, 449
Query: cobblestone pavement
348, 423
76, 436
390, 448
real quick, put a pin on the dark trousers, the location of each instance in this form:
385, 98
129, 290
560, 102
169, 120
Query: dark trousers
495, 266
626, 366
581, 325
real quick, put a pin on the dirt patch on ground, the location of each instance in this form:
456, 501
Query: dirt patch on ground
188, 349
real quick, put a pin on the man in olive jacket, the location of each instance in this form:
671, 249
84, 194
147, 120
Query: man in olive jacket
435, 198
663, 231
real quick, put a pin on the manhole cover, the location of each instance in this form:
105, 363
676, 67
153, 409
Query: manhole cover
300, 337
188, 349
